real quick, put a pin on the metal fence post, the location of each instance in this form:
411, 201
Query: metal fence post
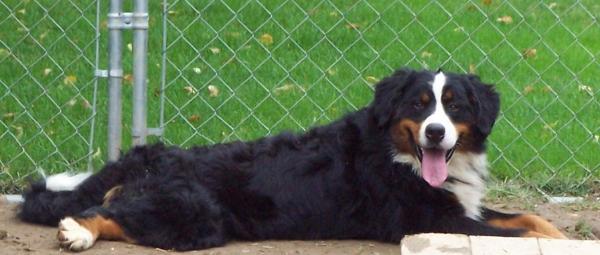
115, 75
140, 95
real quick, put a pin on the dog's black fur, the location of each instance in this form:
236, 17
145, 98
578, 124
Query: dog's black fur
336, 181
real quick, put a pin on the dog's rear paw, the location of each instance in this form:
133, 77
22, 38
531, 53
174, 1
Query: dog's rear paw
73, 236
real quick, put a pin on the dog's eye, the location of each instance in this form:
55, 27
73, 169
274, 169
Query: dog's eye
453, 107
418, 105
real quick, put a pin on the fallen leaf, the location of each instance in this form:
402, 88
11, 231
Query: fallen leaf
552, 5
529, 53
487, 2
213, 91
586, 89
472, 69
528, 89
459, 29
597, 138
286, 87
85, 103
372, 79
334, 14
547, 89
351, 25
4, 53
8, 115
172, 12
97, 153
18, 129
47, 71
71, 102
197, 70
21, 11
128, 78
426, 54
190, 90
215, 50
43, 35
331, 71
70, 80
129, 46
234, 34
266, 39
194, 118
505, 19
104, 24
551, 126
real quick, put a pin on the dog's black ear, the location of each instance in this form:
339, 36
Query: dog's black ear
388, 93
486, 102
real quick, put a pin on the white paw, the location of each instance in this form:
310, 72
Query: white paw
73, 236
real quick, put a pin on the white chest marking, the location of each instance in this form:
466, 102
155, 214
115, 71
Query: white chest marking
469, 171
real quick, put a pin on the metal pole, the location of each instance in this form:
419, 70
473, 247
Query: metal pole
90, 165
115, 75
140, 95
163, 68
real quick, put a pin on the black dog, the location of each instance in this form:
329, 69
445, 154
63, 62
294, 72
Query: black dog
412, 161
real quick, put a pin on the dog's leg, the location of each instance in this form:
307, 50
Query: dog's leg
465, 225
81, 232
45, 204
537, 225
168, 213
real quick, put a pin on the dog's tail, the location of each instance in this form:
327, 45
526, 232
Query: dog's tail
49, 200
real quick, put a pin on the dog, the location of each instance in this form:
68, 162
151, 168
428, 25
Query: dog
412, 161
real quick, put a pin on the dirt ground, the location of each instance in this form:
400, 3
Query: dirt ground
578, 221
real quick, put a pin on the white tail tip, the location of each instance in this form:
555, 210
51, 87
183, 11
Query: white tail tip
65, 181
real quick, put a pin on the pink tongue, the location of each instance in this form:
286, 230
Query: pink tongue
434, 167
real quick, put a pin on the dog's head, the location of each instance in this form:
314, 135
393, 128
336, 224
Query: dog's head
431, 115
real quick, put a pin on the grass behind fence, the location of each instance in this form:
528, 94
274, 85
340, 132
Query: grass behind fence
279, 65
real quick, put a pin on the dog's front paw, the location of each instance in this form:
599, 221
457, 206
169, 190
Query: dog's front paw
73, 236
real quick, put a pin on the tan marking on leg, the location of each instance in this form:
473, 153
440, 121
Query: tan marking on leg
104, 228
530, 222
536, 235
73, 236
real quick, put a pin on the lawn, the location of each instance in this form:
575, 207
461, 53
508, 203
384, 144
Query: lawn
243, 69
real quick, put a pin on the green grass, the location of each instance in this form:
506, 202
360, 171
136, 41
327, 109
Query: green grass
321, 63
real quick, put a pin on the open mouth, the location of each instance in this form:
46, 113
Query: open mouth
434, 163
419, 152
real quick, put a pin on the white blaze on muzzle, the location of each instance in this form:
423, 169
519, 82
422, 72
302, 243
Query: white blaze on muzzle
433, 164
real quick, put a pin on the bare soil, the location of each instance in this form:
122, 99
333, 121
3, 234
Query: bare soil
578, 221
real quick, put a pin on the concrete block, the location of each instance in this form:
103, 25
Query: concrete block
569, 247
433, 244
492, 245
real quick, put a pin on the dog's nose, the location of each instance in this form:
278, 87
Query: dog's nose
435, 132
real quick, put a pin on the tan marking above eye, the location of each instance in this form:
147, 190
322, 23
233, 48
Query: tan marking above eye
425, 98
448, 95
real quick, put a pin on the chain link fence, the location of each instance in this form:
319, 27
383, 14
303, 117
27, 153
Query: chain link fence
48, 90
227, 70
244, 69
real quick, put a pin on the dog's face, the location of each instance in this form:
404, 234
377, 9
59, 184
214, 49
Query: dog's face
431, 115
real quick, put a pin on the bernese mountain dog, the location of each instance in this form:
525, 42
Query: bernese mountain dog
412, 161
